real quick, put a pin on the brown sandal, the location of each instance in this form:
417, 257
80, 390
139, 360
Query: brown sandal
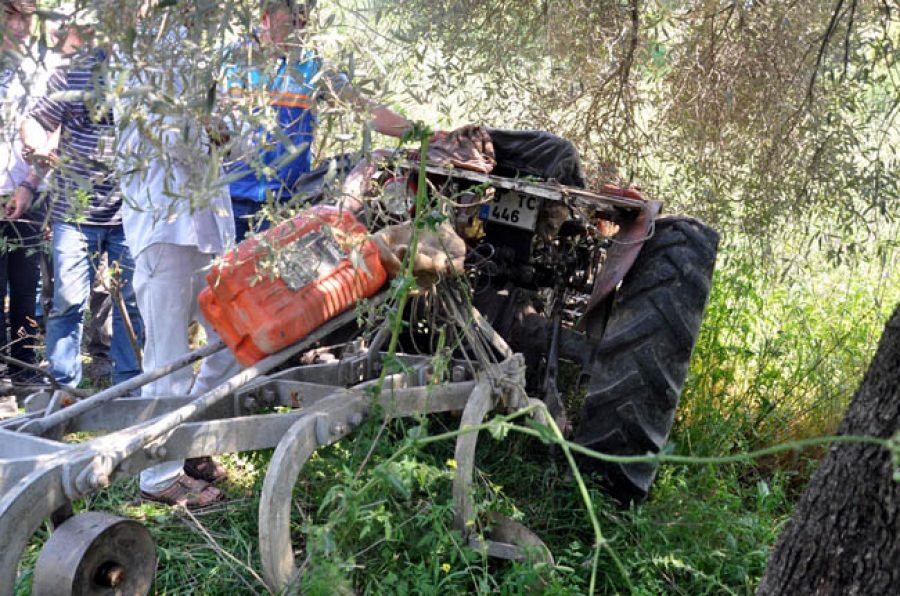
187, 492
205, 468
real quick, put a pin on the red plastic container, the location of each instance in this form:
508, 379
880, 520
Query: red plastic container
269, 293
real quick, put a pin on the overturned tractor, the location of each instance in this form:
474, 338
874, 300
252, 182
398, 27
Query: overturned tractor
518, 267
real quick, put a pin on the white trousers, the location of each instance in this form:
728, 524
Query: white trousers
167, 280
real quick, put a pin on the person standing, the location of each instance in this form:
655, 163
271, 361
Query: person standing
70, 39
21, 77
266, 164
86, 212
177, 219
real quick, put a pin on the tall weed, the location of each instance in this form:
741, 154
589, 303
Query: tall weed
779, 356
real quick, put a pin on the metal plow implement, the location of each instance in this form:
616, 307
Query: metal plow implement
296, 410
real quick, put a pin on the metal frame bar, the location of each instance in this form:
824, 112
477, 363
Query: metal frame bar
42, 426
545, 190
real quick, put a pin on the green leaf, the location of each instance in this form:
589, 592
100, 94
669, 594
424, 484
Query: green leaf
498, 429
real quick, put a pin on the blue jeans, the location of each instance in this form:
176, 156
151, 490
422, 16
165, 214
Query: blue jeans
246, 218
76, 249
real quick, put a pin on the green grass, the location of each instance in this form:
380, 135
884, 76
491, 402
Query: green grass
701, 532
777, 359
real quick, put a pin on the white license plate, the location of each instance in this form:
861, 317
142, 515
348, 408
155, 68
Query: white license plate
512, 209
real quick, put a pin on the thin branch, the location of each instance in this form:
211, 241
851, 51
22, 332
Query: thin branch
225, 554
632, 42
54, 384
625, 70
847, 40
829, 32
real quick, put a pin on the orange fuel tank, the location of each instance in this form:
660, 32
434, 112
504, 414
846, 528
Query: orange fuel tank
272, 290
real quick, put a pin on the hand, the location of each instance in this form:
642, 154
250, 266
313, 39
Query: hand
19, 203
440, 252
217, 130
42, 160
45, 156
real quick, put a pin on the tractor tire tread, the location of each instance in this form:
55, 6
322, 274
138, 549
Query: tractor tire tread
641, 362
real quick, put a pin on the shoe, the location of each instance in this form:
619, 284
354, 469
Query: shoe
205, 468
187, 492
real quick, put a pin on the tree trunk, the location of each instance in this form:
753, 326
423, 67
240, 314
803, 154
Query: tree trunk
844, 537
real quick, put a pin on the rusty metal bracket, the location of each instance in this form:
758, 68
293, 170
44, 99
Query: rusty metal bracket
619, 258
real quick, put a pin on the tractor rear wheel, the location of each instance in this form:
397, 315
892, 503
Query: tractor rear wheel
642, 358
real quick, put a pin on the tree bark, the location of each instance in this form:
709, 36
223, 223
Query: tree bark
844, 537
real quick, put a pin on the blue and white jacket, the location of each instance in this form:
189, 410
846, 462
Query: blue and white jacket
271, 161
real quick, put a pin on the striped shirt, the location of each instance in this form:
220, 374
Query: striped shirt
84, 188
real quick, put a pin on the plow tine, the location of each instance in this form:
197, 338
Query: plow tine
479, 404
276, 552
508, 539
504, 538
336, 417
